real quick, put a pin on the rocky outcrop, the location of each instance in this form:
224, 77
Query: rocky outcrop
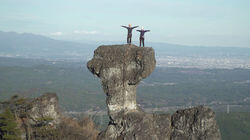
121, 68
194, 123
41, 119
33, 110
45, 106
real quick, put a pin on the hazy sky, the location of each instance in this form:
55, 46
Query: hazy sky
189, 22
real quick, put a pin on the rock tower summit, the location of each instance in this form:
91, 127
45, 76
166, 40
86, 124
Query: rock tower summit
121, 68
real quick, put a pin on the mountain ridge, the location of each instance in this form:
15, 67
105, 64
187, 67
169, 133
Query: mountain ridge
25, 45
8, 38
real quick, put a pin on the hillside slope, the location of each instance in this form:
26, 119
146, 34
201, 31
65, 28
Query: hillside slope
234, 126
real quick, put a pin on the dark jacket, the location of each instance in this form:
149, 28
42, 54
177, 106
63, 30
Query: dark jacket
130, 29
142, 32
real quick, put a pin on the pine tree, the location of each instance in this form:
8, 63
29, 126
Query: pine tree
8, 126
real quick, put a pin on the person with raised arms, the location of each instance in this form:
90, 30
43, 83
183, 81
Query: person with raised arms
130, 29
142, 32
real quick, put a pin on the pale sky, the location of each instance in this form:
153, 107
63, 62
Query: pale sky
187, 22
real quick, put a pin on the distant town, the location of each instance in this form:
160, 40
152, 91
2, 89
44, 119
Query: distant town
202, 62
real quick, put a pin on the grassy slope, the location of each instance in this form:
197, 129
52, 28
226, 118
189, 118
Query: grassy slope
234, 126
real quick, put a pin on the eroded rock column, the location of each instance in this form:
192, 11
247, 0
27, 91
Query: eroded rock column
121, 68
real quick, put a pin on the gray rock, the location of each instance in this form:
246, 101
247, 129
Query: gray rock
121, 68
45, 106
196, 123
139, 126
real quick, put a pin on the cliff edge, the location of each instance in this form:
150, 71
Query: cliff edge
121, 68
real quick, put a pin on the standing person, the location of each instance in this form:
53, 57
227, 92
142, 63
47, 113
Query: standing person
142, 32
130, 29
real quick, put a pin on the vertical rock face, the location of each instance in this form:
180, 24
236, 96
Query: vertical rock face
195, 123
121, 68
45, 106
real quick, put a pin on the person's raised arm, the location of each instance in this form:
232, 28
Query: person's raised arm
124, 27
138, 30
147, 30
135, 27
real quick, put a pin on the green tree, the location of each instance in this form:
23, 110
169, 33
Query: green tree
8, 126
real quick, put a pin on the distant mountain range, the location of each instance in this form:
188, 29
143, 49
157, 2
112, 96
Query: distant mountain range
36, 46
28, 45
